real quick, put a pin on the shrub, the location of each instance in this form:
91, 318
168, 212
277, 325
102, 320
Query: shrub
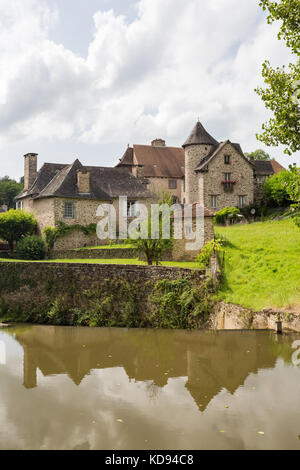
213, 246
31, 248
16, 224
226, 213
50, 234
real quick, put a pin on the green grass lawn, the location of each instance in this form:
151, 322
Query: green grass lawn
262, 265
107, 247
131, 261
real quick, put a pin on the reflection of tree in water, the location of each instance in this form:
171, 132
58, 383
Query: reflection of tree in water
209, 360
153, 391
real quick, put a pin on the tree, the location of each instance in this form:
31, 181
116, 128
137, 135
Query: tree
258, 154
154, 249
275, 189
283, 84
16, 224
9, 189
293, 185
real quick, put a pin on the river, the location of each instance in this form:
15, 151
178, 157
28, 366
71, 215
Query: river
101, 388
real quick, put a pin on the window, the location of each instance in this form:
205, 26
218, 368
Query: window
172, 184
69, 210
19, 205
261, 178
226, 159
227, 176
175, 200
242, 201
213, 202
132, 209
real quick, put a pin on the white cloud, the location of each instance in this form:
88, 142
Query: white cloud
151, 77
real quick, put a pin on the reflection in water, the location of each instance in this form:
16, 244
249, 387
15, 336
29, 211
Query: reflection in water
209, 366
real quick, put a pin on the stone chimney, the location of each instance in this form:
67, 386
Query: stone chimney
30, 169
158, 143
84, 181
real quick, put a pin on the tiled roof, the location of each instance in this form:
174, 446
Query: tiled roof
167, 162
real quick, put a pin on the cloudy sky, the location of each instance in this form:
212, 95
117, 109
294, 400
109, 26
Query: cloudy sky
83, 78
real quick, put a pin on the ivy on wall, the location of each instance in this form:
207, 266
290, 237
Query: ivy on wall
61, 230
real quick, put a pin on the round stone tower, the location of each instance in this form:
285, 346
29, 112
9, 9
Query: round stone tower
198, 146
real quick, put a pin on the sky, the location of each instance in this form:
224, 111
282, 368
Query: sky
85, 78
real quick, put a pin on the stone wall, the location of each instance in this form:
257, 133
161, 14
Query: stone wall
258, 192
33, 287
235, 317
180, 253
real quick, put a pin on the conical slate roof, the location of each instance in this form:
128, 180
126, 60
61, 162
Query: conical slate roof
199, 136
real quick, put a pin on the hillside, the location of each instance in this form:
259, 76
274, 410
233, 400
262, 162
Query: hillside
262, 265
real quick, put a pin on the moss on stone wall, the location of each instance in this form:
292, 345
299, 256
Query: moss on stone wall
134, 298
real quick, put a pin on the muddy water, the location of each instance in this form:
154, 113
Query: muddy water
81, 388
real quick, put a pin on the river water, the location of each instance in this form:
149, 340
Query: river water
98, 388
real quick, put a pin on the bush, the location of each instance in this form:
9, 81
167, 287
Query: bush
213, 246
16, 224
226, 213
31, 248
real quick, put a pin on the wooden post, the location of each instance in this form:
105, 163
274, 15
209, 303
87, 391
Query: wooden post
279, 327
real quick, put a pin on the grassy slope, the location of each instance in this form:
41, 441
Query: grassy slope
262, 266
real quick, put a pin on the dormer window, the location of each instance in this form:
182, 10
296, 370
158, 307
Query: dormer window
227, 159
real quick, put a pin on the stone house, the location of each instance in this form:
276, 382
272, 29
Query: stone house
161, 166
72, 193
216, 174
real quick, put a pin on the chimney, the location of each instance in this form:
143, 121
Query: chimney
83, 182
158, 143
30, 169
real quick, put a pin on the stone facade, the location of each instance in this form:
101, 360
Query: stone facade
180, 252
241, 172
161, 185
193, 156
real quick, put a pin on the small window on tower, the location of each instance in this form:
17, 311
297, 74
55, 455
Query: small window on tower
213, 202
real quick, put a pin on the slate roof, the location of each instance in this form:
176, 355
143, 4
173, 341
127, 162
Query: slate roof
165, 162
267, 167
199, 135
106, 183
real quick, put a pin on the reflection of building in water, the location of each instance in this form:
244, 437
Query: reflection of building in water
211, 361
